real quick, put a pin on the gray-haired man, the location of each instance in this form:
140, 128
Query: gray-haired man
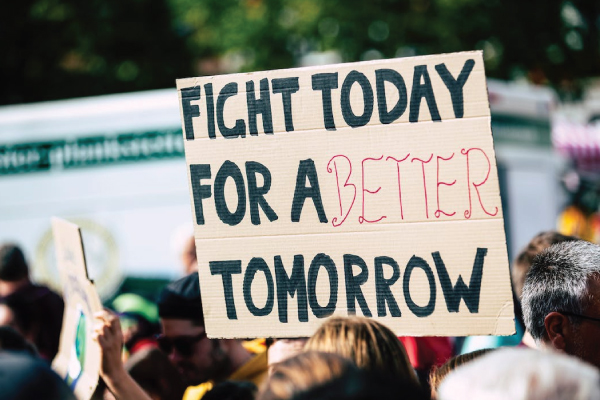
561, 300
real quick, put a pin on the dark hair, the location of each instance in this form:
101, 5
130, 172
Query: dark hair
558, 281
27, 378
523, 262
437, 374
365, 385
11, 340
25, 314
232, 390
12, 263
38, 314
181, 300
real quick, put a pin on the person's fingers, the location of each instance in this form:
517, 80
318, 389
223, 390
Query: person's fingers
102, 342
110, 319
106, 332
101, 316
116, 326
113, 322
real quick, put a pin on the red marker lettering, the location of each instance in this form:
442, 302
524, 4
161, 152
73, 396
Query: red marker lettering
399, 186
362, 218
468, 212
439, 211
333, 160
424, 181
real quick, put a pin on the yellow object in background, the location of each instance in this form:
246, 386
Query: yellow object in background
573, 221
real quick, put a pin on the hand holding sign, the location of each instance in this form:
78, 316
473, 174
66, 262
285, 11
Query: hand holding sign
108, 334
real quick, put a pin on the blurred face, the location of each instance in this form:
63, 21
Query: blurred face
197, 358
585, 343
6, 317
282, 349
188, 257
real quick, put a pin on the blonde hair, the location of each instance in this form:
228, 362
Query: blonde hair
369, 344
302, 372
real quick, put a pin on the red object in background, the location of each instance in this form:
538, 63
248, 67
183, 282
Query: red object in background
425, 352
142, 344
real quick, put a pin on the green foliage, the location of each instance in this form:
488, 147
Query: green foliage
66, 48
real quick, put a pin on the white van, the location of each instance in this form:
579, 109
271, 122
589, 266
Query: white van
115, 165
112, 164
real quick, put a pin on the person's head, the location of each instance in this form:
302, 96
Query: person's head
13, 266
151, 369
19, 314
23, 377
438, 374
301, 372
364, 385
188, 256
138, 316
12, 340
524, 259
368, 343
184, 339
561, 299
522, 374
232, 390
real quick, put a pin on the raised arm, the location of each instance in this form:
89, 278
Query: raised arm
110, 338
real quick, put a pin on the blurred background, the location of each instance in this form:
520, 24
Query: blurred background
90, 127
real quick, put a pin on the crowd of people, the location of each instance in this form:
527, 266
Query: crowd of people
159, 349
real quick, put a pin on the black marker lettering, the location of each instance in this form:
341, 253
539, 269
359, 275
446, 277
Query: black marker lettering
210, 110
226, 269
420, 90
230, 170
200, 191
295, 284
231, 89
326, 82
418, 262
256, 195
349, 116
322, 260
353, 284
286, 86
389, 75
455, 86
259, 106
470, 293
190, 111
255, 265
382, 286
307, 170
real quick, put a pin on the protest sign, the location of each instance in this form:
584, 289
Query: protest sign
367, 188
78, 358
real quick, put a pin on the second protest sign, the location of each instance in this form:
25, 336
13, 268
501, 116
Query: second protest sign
367, 188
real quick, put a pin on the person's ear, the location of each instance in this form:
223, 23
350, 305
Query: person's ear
557, 327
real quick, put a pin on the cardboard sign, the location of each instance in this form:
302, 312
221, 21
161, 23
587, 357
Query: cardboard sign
368, 188
78, 358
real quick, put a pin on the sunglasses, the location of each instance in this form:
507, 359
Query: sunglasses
183, 345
